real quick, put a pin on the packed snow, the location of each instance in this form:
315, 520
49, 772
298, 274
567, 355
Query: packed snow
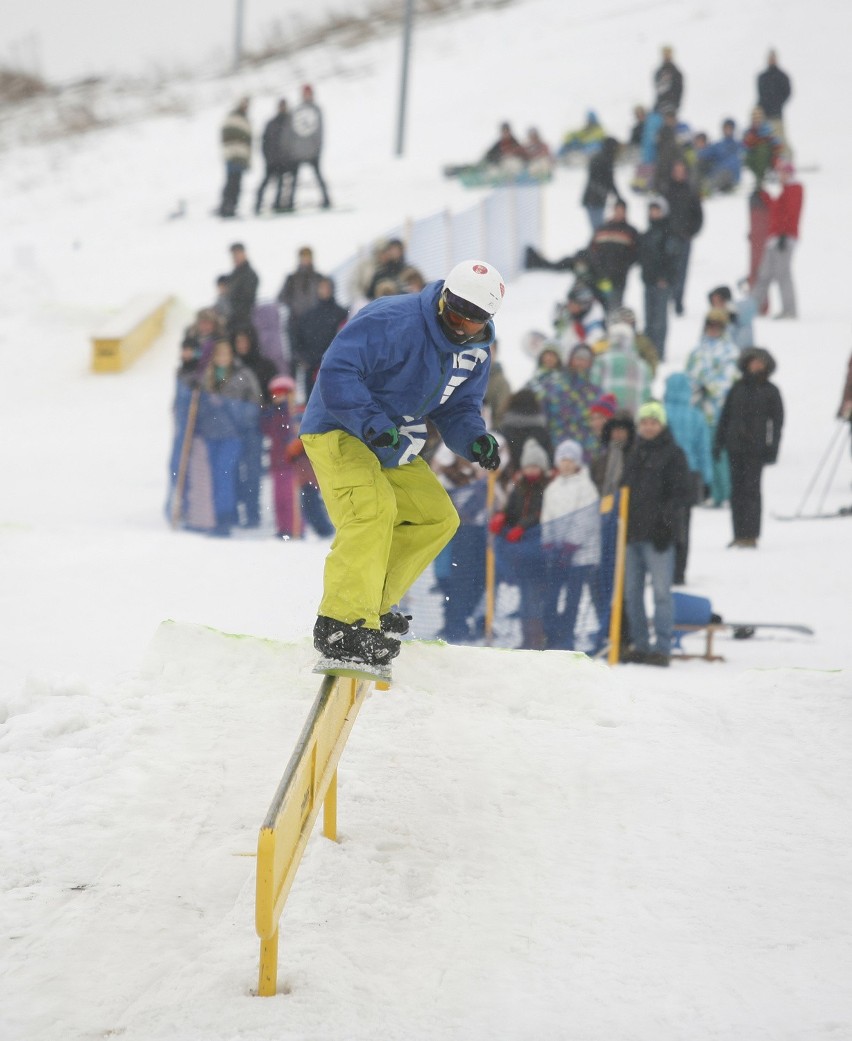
532, 845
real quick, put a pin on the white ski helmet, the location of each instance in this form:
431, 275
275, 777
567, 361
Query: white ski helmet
474, 290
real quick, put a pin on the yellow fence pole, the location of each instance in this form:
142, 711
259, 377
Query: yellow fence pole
618, 585
490, 591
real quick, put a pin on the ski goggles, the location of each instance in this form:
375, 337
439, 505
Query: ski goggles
463, 316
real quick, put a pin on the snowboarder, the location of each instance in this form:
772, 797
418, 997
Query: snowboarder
400, 360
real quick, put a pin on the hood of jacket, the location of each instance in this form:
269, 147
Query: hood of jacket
757, 352
678, 390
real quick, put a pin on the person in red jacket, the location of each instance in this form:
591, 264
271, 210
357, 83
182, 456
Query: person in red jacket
785, 211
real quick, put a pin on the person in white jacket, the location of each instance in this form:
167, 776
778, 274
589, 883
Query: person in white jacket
571, 539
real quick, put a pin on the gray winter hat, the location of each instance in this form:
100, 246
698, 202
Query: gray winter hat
534, 455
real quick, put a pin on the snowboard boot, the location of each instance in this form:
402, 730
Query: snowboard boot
350, 641
395, 623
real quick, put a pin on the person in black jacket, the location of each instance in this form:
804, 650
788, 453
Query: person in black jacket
686, 218
242, 289
275, 155
750, 430
658, 260
601, 182
314, 330
613, 250
773, 92
668, 83
523, 419
657, 475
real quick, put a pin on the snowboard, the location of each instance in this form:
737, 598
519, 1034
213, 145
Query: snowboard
757, 236
354, 671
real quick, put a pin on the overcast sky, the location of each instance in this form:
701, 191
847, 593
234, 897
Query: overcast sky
69, 39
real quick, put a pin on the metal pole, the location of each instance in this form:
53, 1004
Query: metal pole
403, 85
238, 35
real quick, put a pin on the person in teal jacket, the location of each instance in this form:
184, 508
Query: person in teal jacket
400, 360
690, 431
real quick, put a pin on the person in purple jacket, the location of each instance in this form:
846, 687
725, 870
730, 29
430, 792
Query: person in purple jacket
400, 360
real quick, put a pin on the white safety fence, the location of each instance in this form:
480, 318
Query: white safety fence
497, 228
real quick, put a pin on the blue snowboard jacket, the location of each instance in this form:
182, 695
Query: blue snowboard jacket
392, 365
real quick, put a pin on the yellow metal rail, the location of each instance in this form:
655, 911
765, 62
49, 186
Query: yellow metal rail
126, 335
309, 782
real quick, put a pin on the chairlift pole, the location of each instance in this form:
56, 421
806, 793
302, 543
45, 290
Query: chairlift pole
238, 35
403, 85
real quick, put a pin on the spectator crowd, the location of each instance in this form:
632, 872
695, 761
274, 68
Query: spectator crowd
585, 424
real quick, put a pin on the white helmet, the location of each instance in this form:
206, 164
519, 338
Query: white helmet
474, 290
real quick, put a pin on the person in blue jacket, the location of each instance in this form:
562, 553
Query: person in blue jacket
400, 360
720, 165
689, 429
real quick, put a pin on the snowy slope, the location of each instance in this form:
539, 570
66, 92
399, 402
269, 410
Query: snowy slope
548, 850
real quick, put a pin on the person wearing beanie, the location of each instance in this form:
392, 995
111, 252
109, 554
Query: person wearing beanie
712, 369
533, 455
658, 261
657, 477
606, 405
690, 430
570, 538
620, 371
519, 526
750, 431
600, 411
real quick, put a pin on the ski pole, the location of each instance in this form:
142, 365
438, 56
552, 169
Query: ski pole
841, 448
815, 477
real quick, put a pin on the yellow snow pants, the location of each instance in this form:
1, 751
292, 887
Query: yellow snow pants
390, 525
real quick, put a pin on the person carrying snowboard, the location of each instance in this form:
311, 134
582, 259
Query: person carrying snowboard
400, 360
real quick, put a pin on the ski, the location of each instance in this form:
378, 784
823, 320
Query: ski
844, 511
744, 630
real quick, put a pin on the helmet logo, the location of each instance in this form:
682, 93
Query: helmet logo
480, 269
502, 290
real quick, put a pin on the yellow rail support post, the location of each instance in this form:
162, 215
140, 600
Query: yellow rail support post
618, 587
490, 591
309, 782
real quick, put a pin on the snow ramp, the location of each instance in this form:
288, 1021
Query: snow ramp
521, 836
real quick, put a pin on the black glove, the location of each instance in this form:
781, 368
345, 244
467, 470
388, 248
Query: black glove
485, 452
661, 537
782, 242
387, 439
